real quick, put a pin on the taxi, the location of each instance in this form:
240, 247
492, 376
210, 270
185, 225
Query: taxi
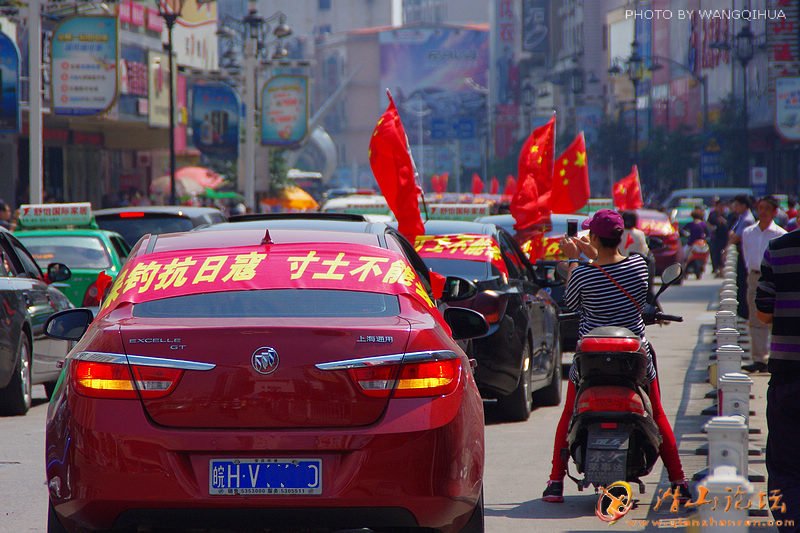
66, 233
280, 377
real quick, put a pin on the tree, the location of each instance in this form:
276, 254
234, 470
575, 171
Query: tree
612, 147
729, 133
667, 158
278, 170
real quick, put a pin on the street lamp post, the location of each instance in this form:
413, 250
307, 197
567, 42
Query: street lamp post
744, 51
170, 10
635, 62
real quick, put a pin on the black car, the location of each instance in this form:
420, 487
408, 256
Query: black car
519, 360
133, 222
340, 222
27, 356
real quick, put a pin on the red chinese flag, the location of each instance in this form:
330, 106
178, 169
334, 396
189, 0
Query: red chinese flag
435, 183
477, 184
391, 163
494, 186
535, 175
571, 179
510, 188
443, 177
627, 192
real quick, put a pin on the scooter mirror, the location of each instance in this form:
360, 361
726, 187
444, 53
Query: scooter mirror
671, 274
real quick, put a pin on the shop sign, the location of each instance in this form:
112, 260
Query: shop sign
9, 85
215, 120
85, 55
158, 88
284, 111
787, 108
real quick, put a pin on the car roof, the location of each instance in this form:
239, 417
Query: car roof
81, 232
651, 213
299, 224
175, 210
194, 240
448, 227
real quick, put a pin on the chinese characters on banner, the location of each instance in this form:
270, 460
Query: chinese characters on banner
158, 88
464, 247
505, 70
284, 110
323, 266
85, 55
783, 44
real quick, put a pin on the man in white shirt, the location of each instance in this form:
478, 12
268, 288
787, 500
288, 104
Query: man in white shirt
755, 239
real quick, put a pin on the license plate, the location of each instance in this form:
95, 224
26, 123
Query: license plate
265, 476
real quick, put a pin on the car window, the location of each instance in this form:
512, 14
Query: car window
399, 244
75, 251
515, 266
7, 268
27, 266
272, 303
473, 270
121, 248
133, 228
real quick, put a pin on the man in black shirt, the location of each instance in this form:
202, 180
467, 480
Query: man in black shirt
778, 303
718, 223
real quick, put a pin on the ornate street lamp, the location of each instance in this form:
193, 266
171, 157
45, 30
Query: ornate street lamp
635, 74
170, 11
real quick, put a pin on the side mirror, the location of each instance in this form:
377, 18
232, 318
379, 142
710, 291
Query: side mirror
465, 323
456, 289
671, 274
69, 325
58, 272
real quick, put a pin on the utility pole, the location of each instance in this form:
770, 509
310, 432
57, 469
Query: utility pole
35, 175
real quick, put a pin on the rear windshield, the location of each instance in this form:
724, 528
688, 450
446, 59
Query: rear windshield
272, 303
73, 251
132, 229
478, 270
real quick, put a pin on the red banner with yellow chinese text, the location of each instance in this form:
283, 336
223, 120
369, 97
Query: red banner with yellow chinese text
465, 246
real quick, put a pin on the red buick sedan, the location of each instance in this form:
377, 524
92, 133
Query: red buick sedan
291, 380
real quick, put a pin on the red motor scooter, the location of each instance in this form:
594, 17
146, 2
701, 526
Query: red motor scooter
697, 258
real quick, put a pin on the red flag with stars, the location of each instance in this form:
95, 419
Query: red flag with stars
494, 186
477, 184
570, 179
627, 192
510, 188
393, 167
535, 175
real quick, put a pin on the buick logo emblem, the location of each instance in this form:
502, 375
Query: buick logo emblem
265, 360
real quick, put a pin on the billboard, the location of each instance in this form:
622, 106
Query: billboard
9, 85
195, 35
284, 110
85, 54
436, 76
215, 120
158, 88
787, 108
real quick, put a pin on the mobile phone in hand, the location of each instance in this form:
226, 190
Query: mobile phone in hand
572, 227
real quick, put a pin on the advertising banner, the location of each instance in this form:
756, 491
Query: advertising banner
158, 88
534, 26
85, 55
215, 120
9, 85
195, 34
284, 110
787, 108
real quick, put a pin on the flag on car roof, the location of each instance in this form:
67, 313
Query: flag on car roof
570, 178
510, 188
393, 167
627, 192
477, 184
494, 186
535, 176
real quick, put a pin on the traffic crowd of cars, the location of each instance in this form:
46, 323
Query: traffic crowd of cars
282, 368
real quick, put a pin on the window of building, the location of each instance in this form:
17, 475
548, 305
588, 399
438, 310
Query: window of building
324, 5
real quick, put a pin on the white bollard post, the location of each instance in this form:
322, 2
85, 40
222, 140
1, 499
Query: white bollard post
727, 293
728, 285
734, 395
729, 360
727, 336
723, 483
725, 319
728, 304
727, 443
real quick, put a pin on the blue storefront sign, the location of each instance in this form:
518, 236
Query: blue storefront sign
9, 85
215, 120
711, 171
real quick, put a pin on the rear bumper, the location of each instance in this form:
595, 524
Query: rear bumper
108, 466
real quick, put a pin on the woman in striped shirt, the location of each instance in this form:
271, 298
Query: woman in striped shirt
600, 302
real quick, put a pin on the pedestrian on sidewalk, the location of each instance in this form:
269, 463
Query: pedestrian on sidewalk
755, 240
777, 302
742, 219
718, 222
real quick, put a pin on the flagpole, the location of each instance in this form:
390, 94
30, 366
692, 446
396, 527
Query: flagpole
425, 205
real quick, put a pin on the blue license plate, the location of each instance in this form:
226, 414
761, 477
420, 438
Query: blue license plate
265, 476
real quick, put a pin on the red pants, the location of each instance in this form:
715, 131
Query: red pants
668, 449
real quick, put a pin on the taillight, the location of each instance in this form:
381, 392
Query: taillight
671, 239
92, 296
131, 214
409, 380
112, 378
609, 344
610, 399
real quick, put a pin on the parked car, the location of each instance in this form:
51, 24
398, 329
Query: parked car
545, 266
27, 356
662, 238
133, 222
84, 248
291, 382
519, 360
707, 194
